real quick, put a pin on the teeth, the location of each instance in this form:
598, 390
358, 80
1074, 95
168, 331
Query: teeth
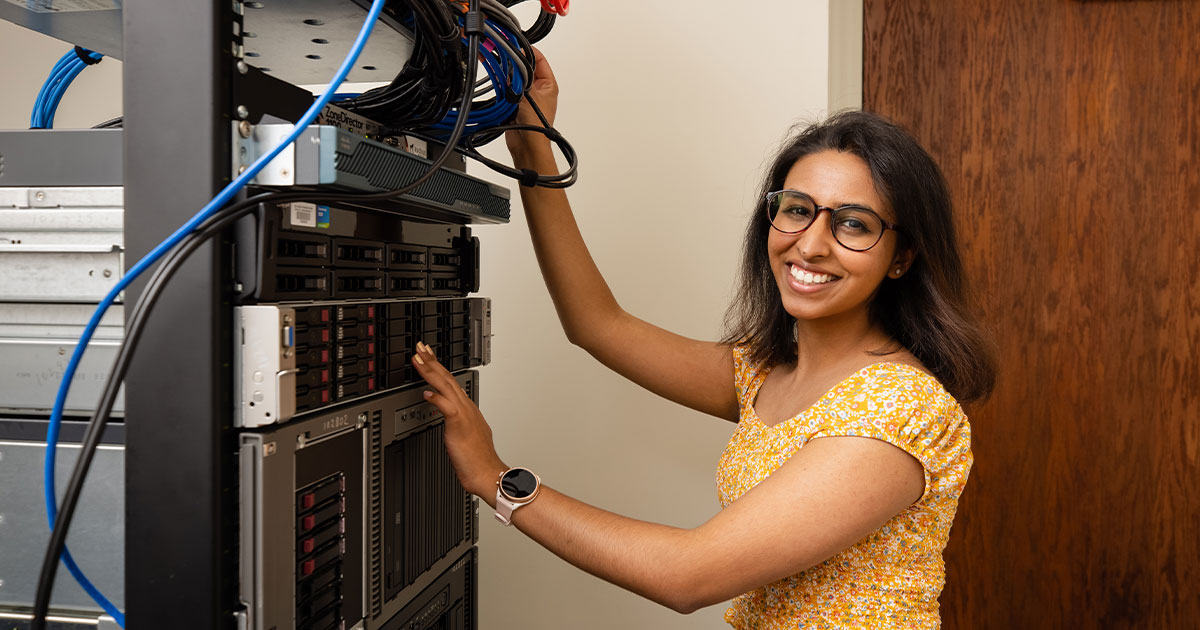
810, 278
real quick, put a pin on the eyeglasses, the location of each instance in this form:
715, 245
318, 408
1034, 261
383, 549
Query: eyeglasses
854, 227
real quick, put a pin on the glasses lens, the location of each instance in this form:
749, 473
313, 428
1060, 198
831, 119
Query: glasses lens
791, 212
857, 228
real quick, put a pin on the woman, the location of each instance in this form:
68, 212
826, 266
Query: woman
848, 350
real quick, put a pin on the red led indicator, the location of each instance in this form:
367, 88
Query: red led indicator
308, 545
324, 395
308, 500
324, 356
370, 311
371, 330
324, 376
324, 314
371, 365
371, 383
324, 334
371, 348
307, 522
308, 567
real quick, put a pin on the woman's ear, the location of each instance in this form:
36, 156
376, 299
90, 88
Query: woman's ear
902, 261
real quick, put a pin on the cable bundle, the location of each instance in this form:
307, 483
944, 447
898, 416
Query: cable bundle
64, 72
507, 57
432, 78
422, 95
415, 102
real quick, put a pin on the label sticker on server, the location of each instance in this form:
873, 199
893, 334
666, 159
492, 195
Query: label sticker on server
322, 216
303, 214
416, 146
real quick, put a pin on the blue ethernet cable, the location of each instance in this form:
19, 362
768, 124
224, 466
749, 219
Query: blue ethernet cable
57, 94
71, 65
220, 200
35, 117
64, 72
51, 83
501, 69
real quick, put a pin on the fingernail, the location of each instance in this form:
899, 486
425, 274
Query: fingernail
427, 394
418, 359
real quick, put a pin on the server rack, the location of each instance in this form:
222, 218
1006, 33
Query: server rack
184, 453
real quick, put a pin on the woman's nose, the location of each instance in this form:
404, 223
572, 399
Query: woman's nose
817, 240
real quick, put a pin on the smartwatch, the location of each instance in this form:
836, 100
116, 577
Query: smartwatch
516, 487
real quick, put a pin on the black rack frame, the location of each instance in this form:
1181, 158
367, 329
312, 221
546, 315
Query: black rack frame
181, 474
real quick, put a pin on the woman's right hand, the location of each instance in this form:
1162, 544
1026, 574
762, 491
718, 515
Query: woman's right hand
543, 90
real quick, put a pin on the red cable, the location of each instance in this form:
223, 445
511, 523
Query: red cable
556, 6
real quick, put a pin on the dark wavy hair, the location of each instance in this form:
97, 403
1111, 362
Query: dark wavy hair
925, 310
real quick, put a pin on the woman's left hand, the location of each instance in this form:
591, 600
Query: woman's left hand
468, 436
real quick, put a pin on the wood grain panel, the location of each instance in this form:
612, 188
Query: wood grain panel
1069, 134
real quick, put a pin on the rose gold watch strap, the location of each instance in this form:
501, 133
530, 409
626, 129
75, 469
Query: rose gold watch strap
504, 508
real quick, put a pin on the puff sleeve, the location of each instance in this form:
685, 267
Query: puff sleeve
910, 410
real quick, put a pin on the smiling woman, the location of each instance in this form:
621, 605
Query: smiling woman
848, 344
818, 272
852, 268
858, 159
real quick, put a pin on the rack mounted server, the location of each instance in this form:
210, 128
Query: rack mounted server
348, 516
307, 251
296, 359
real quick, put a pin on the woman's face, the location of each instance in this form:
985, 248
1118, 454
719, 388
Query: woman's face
817, 277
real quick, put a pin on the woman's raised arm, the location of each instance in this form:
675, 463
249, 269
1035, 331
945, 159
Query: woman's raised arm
697, 374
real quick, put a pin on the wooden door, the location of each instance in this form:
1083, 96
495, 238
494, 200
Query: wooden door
1070, 134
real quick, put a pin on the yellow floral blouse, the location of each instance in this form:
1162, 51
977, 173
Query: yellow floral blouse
891, 578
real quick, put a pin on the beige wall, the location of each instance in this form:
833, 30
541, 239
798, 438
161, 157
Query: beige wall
673, 108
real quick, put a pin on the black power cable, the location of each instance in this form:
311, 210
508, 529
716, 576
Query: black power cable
217, 223
430, 80
111, 123
528, 177
541, 26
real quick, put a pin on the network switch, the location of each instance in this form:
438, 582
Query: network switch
367, 128
334, 158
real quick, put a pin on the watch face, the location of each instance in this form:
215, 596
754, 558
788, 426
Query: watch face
518, 483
